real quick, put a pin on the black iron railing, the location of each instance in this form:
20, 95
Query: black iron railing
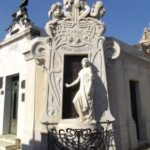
80, 139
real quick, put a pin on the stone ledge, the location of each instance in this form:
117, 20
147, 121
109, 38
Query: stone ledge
8, 138
9, 146
9, 142
30, 30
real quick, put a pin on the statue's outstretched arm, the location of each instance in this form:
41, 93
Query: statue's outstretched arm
75, 82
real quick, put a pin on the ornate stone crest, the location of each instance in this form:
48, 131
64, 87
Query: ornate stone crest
76, 22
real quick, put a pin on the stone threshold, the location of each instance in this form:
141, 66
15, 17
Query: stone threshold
9, 142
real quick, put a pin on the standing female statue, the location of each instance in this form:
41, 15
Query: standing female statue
83, 100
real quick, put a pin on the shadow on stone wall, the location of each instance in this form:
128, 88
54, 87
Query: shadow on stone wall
100, 95
37, 145
101, 105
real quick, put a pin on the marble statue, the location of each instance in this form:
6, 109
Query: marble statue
81, 5
98, 10
56, 11
68, 9
83, 100
85, 9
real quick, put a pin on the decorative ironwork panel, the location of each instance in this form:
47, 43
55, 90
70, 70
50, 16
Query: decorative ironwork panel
76, 139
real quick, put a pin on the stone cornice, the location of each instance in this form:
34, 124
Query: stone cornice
31, 30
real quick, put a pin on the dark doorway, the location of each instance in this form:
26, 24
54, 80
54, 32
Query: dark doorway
136, 106
14, 105
11, 104
72, 66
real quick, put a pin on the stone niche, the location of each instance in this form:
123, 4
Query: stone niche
75, 31
72, 66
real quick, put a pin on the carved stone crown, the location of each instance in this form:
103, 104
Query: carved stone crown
75, 23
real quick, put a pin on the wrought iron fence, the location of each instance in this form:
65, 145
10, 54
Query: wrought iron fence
79, 139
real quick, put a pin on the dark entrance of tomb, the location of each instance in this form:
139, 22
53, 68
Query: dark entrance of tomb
14, 105
72, 66
11, 104
136, 109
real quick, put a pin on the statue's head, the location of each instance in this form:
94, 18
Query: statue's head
68, 2
55, 11
99, 4
56, 6
85, 62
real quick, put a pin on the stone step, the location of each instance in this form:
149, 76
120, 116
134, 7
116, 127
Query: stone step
9, 142
9, 146
8, 138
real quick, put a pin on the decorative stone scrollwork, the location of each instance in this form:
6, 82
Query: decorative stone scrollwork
40, 52
70, 6
111, 48
84, 9
75, 15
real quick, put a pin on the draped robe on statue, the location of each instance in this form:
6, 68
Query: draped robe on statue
83, 100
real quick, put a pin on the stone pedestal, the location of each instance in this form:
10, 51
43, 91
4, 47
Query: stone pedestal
76, 124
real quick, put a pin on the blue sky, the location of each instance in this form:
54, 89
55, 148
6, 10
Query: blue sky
124, 19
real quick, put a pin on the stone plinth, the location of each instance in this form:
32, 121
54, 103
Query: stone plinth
76, 124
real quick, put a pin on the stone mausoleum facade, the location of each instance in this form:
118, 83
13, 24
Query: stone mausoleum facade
40, 69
